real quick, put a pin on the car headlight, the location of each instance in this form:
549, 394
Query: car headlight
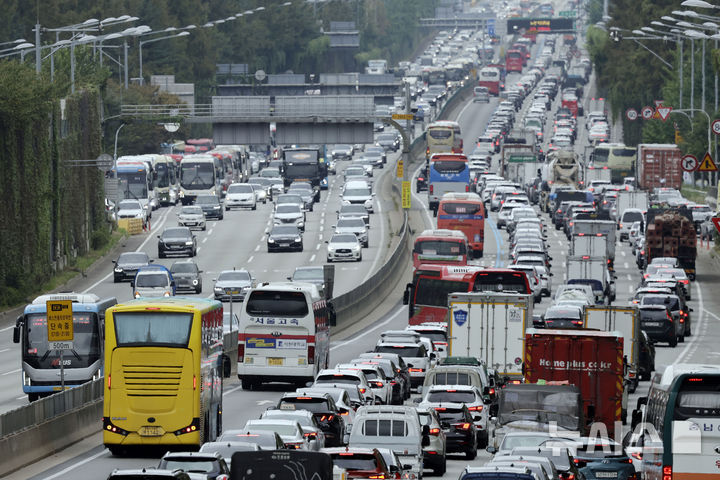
218, 290
137, 294
188, 243
216, 207
195, 282
298, 239
118, 269
301, 223
166, 294
181, 194
145, 207
277, 221
246, 288
368, 203
270, 240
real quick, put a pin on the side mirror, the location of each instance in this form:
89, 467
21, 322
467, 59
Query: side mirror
17, 329
491, 450
152, 260
289, 278
113, 261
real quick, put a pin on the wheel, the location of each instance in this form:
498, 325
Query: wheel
194, 252
204, 228
227, 208
360, 258
115, 450
681, 338
254, 207
673, 342
247, 384
366, 244
440, 469
329, 260
221, 217
301, 248
198, 290
645, 376
472, 453
483, 439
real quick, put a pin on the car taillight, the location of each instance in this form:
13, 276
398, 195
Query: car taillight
311, 354
382, 475
430, 189
667, 472
462, 426
362, 390
416, 369
477, 408
435, 431
636, 455
467, 188
241, 352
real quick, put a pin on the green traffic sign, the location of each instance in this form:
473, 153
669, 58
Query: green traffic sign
568, 13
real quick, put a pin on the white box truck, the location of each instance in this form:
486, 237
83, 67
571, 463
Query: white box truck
596, 245
592, 271
491, 328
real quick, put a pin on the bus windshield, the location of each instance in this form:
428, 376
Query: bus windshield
158, 328
440, 133
199, 176
163, 175
134, 184
501, 282
86, 342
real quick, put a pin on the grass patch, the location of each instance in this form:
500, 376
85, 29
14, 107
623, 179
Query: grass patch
76, 267
694, 194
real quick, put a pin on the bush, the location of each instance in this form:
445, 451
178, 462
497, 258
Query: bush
99, 238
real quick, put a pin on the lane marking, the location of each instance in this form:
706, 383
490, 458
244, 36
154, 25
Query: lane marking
11, 372
78, 464
251, 258
365, 332
312, 258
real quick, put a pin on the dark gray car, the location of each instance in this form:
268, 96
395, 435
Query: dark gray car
127, 265
211, 206
177, 241
187, 276
285, 237
233, 283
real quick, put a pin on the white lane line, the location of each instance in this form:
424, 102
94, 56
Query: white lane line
198, 249
21, 398
312, 258
698, 327
629, 277
365, 332
162, 222
72, 467
4, 350
257, 248
379, 242
250, 259
317, 247
210, 231
12, 326
624, 253
626, 265
204, 240
11, 372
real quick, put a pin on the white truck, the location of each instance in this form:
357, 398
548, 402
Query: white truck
589, 245
623, 319
491, 328
632, 199
591, 174
595, 227
592, 271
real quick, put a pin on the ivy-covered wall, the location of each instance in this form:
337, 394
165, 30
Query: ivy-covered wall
49, 210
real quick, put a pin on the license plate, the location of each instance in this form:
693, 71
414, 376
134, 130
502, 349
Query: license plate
606, 474
150, 431
275, 361
651, 324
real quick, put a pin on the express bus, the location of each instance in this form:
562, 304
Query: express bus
618, 157
427, 295
448, 173
490, 77
41, 363
199, 175
134, 173
163, 373
164, 178
464, 212
443, 136
440, 247
514, 60
284, 334
683, 409
199, 145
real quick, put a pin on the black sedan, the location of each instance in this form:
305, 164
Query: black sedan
421, 181
459, 428
187, 276
177, 241
127, 265
285, 237
211, 206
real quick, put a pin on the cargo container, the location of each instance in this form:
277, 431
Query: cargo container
592, 245
592, 271
624, 320
670, 232
589, 359
658, 165
491, 328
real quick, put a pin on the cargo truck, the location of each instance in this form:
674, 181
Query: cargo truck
632, 199
491, 328
592, 174
561, 172
589, 359
670, 232
593, 271
623, 320
592, 245
658, 165
593, 228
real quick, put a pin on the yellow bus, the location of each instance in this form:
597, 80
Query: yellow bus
163, 373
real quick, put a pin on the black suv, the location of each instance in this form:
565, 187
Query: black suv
127, 265
323, 408
211, 206
187, 276
177, 241
211, 464
459, 427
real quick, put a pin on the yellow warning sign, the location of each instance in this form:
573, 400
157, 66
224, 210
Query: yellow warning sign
707, 164
406, 194
400, 169
59, 320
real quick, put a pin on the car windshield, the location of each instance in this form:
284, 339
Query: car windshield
288, 208
190, 465
354, 171
355, 461
514, 441
455, 396
151, 280
234, 276
191, 210
408, 351
356, 192
131, 257
207, 200
351, 223
280, 428
311, 404
183, 267
344, 238
175, 233
240, 188
285, 230
129, 205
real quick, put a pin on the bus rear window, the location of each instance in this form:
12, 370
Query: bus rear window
461, 208
171, 329
699, 396
438, 247
449, 166
440, 134
501, 282
280, 304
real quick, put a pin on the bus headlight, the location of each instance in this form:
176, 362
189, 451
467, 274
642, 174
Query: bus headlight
166, 294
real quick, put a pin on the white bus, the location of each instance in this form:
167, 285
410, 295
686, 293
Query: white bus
284, 334
682, 417
199, 175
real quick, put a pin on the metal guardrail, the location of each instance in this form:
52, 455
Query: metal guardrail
49, 407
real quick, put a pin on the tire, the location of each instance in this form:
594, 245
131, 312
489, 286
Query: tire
116, 280
681, 338
254, 207
329, 260
221, 217
645, 376
673, 342
115, 450
483, 441
248, 384
198, 290
227, 208
439, 470
360, 258
472, 453
204, 228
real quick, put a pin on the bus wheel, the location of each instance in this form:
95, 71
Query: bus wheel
33, 397
247, 384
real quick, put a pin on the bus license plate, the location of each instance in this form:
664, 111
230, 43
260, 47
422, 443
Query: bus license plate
606, 474
275, 361
151, 431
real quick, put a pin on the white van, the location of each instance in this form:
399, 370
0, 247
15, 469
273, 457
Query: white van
396, 427
153, 281
284, 334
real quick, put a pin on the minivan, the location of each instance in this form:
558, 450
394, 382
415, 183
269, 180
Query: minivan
481, 94
153, 281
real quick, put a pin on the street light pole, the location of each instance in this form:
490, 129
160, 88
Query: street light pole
125, 50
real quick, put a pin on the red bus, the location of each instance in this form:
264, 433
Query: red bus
525, 49
514, 61
440, 247
427, 295
464, 212
490, 77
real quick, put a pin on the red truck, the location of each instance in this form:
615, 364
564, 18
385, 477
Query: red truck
658, 165
591, 360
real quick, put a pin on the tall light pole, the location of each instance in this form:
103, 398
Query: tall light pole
143, 42
699, 35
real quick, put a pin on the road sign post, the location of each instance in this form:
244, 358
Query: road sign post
60, 330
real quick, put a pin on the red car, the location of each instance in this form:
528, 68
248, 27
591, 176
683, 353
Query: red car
360, 462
